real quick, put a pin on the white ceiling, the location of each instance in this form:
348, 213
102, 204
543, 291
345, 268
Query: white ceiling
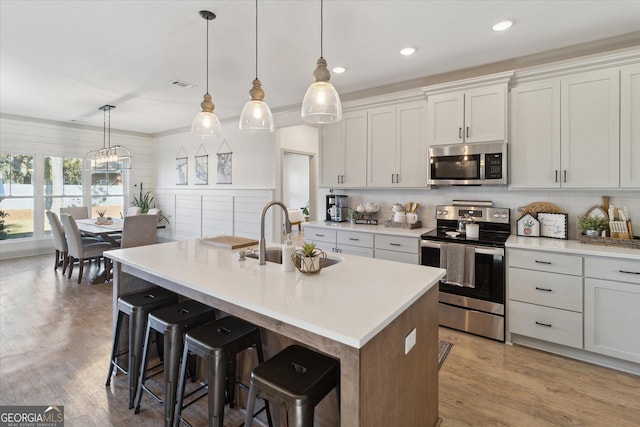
61, 60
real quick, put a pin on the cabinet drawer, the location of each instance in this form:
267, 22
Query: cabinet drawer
397, 243
552, 262
547, 324
355, 250
353, 238
612, 269
406, 257
542, 288
320, 235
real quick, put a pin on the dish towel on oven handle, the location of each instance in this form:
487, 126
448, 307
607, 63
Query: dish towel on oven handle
459, 261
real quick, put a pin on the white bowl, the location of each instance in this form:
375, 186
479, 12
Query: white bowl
452, 233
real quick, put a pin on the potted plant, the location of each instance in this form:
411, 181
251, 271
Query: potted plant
101, 218
305, 212
592, 226
309, 259
144, 201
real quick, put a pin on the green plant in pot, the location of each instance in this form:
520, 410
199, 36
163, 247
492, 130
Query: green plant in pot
592, 226
310, 259
144, 200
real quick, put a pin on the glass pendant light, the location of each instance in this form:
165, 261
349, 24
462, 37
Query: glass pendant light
256, 114
321, 103
206, 122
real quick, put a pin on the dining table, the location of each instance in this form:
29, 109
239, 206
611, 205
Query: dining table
105, 231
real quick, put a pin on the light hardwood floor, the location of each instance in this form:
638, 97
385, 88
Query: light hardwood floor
55, 340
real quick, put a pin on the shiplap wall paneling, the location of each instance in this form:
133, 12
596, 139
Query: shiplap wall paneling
247, 211
217, 215
188, 217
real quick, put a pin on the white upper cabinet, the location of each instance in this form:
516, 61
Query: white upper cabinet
630, 126
343, 152
565, 132
535, 135
397, 147
590, 130
467, 116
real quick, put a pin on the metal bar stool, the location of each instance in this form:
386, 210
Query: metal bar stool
298, 378
136, 306
218, 343
172, 322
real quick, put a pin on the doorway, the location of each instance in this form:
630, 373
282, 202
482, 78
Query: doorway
298, 181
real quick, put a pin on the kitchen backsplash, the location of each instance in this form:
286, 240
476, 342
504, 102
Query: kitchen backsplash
573, 202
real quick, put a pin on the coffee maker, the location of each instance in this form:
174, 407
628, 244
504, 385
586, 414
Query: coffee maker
337, 208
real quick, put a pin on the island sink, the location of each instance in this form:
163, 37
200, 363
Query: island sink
275, 256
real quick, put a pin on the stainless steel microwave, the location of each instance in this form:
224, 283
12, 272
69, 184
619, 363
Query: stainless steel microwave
483, 163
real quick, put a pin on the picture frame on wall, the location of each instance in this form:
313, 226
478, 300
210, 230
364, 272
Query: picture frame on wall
553, 225
529, 226
182, 171
224, 163
202, 170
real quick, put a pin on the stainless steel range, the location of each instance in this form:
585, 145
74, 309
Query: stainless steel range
472, 295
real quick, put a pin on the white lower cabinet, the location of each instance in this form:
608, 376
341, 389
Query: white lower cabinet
355, 243
589, 305
546, 323
365, 243
545, 296
397, 248
612, 308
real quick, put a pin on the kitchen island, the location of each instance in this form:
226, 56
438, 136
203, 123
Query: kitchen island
359, 310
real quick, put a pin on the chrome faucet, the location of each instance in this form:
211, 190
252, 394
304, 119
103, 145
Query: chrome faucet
287, 227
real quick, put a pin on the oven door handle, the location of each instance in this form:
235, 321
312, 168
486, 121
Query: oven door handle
479, 249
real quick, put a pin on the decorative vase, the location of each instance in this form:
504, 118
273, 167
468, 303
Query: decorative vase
591, 232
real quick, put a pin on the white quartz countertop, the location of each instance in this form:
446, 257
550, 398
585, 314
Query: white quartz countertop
349, 302
378, 229
571, 247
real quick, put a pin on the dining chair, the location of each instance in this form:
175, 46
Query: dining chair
133, 210
77, 212
139, 230
59, 241
78, 249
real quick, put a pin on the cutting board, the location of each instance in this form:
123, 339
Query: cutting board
229, 242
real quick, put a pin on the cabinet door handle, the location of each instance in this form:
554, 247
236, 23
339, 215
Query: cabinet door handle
397, 178
548, 325
354, 239
467, 131
459, 133
319, 235
556, 180
395, 244
629, 272
392, 181
543, 289
565, 176
542, 262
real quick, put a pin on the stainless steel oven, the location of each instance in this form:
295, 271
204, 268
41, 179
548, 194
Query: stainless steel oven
480, 307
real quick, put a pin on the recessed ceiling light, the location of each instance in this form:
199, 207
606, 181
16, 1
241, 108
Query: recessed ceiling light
501, 26
339, 70
407, 51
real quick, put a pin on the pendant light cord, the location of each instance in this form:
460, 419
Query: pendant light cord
109, 128
104, 129
321, 27
256, 39
207, 55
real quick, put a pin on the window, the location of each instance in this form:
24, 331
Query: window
16, 196
107, 190
62, 185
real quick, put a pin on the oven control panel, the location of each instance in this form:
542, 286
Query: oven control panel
479, 214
